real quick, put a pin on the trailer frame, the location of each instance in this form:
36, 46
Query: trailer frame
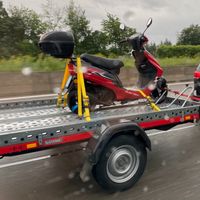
37, 124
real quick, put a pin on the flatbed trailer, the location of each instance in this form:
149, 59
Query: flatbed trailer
117, 141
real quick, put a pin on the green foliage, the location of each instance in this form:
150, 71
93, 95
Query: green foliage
189, 36
39, 63
33, 27
79, 25
167, 62
46, 63
11, 31
19, 31
111, 28
178, 51
53, 16
166, 42
152, 48
98, 43
179, 61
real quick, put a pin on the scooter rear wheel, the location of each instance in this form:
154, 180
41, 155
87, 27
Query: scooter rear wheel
72, 101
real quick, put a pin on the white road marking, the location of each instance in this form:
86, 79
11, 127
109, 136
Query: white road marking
24, 161
171, 130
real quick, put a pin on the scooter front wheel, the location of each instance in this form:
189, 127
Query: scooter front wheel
159, 96
160, 93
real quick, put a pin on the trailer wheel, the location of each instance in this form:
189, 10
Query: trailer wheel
121, 163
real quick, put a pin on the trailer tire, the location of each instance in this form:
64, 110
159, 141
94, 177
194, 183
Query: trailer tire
121, 163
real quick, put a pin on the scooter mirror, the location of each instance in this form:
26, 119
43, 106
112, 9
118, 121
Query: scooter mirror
122, 27
149, 22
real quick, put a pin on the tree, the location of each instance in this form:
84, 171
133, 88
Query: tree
111, 27
152, 48
53, 16
11, 32
189, 36
3, 12
20, 29
79, 25
32, 26
97, 43
166, 42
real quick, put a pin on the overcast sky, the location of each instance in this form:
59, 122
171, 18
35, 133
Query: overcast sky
169, 17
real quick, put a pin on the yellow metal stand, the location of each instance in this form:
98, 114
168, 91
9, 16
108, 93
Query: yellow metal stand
152, 104
63, 99
83, 99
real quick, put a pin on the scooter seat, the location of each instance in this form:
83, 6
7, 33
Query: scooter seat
104, 63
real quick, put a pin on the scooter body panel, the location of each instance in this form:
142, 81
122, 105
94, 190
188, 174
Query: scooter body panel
154, 62
99, 77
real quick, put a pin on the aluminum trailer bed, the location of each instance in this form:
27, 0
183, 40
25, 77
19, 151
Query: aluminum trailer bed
35, 124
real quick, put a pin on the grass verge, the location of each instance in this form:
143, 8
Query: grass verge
53, 64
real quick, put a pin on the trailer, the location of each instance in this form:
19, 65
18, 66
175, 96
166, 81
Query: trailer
117, 142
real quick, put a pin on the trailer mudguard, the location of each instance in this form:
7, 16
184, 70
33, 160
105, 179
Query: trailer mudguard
97, 144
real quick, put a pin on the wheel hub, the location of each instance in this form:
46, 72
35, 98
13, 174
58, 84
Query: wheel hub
122, 164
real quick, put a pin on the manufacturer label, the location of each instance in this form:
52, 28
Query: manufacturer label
53, 141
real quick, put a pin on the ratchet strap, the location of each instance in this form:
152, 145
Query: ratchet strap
150, 100
83, 99
63, 98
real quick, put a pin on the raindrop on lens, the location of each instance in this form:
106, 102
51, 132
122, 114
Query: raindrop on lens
26, 71
145, 189
71, 175
90, 186
129, 16
163, 163
151, 86
166, 117
155, 142
56, 90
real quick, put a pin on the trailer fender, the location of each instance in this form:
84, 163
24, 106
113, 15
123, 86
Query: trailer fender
96, 145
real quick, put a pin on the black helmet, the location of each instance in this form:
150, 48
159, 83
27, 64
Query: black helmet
59, 44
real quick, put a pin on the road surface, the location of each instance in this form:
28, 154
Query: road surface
173, 172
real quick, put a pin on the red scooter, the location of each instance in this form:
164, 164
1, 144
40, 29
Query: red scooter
103, 84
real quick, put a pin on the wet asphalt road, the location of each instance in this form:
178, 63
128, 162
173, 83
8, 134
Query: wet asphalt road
173, 172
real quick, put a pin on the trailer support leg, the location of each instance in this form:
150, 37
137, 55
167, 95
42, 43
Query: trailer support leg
85, 172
